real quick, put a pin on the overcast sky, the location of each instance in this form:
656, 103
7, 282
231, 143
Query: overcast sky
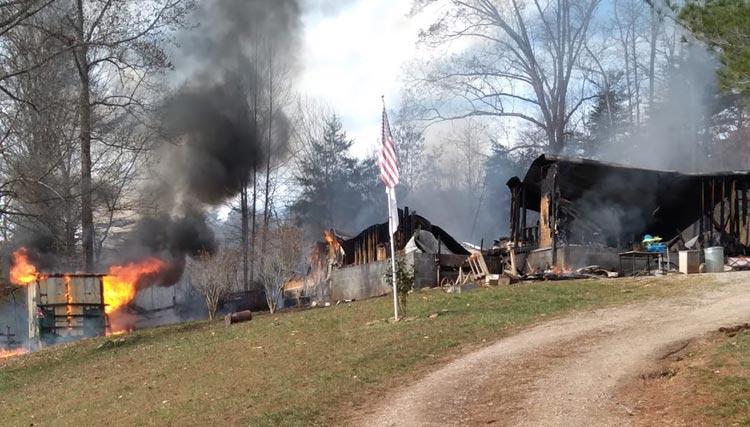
353, 53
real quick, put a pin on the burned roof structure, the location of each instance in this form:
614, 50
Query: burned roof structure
372, 243
589, 202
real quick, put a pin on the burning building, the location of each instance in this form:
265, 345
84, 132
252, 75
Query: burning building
67, 306
568, 213
353, 267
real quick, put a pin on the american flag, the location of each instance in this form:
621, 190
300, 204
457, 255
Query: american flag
387, 157
389, 172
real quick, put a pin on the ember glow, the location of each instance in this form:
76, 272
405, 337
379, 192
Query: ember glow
22, 272
121, 282
8, 353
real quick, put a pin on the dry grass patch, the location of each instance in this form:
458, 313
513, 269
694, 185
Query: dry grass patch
307, 368
706, 383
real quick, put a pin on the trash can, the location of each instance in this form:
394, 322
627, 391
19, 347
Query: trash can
714, 259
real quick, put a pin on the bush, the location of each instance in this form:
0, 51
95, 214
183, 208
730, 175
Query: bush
404, 282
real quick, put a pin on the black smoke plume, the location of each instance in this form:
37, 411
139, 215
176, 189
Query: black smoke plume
220, 145
213, 123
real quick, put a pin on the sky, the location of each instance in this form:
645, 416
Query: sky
353, 53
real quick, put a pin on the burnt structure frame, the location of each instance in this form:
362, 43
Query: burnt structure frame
363, 248
717, 202
47, 329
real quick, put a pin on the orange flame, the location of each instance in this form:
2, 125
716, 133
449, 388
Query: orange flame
331, 239
8, 353
23, 272
68, 301
120, 284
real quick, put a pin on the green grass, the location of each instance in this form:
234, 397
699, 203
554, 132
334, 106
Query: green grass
728, 376
308, 368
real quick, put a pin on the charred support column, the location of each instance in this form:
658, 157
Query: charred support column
703, 211
745, 222
712, 210
732, 208
548, 211
513, 211
553, 213
723, 222
523, 213
513, 185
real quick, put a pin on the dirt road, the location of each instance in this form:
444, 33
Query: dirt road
564, 372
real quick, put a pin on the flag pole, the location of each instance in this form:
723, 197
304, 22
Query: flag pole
392, 232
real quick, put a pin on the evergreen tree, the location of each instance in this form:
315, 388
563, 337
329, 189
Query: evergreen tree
330, 180
607, 122
725, 25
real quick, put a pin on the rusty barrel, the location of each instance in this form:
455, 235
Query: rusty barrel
240, 316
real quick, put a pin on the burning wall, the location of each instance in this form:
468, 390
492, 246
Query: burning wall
67, 305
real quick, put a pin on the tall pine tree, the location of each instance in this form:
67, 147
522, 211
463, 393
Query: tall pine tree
330, 180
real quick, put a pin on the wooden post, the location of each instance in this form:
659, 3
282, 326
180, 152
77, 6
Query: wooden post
523, 214
703, 210
713, 209
553, 214
734, 208
745, 222
439, 261
723, 223
514, 216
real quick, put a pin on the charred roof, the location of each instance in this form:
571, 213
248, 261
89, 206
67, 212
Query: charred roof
645, 200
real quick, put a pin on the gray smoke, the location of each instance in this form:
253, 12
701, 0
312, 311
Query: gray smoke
676, 131
214, 127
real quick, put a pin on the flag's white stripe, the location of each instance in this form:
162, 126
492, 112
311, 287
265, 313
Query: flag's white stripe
388, 166
390, 160
387, 160
391, 180
390, 152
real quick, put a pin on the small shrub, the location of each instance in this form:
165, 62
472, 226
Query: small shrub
404, 282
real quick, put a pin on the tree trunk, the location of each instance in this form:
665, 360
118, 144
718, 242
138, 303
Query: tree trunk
84, 104
652, 55
635, 81
254, 216
245, 231
212, 304
267, 192
254, 210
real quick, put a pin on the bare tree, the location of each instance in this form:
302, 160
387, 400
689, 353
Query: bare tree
283, 257
214, 276
38, 148
520, 60
14, 16
410, 148
278, 69
118, 47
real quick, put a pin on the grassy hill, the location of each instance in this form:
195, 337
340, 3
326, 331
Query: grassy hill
305, 368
